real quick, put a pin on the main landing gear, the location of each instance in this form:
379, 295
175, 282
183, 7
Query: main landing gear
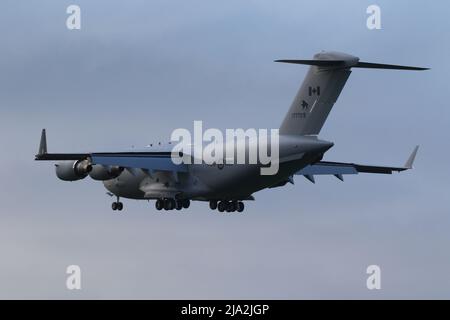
170, 204
228, 206
117, 205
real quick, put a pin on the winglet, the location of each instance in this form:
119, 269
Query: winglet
43, 144
410, 161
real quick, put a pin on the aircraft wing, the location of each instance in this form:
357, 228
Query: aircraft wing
144, 160
339, 169
149, 160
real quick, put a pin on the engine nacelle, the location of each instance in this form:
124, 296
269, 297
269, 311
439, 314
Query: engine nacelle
72, 171
102, 173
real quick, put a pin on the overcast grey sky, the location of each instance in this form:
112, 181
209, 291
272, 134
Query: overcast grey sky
139, 69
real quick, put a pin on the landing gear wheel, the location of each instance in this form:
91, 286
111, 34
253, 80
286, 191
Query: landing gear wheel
240, 206
169, 204
186, 203
117, 205
213, 204
179, 205
159, 204
222, 206
229, 206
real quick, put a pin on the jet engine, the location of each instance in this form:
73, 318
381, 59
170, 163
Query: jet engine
72, 171
101, 172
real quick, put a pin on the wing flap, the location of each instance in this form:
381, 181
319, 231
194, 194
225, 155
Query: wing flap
342, 168
324, 168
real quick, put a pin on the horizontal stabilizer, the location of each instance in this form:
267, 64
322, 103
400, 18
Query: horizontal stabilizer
351, 64
386, 66
324, 81
319, 63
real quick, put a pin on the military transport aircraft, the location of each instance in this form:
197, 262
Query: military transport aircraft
151, 174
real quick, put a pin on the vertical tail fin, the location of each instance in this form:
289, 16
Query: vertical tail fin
319, 91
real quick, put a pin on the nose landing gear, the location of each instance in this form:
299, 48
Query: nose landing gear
117, 205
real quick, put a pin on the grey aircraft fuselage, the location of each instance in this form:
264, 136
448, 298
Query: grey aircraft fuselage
218, 182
